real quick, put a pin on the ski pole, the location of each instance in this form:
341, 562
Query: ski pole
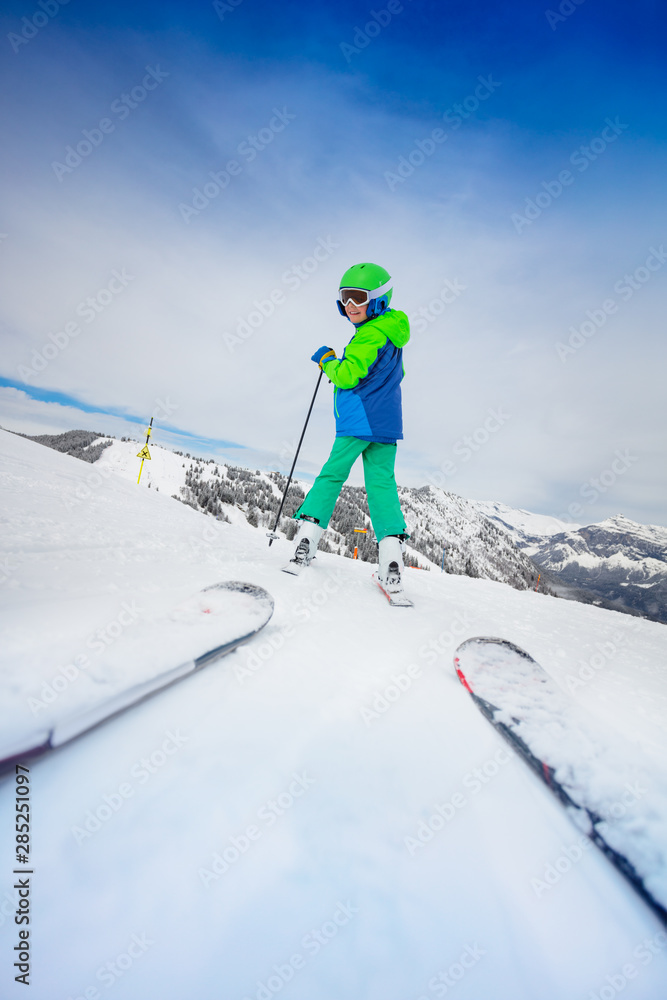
272, 534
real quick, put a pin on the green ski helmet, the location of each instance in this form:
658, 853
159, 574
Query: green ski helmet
370, 278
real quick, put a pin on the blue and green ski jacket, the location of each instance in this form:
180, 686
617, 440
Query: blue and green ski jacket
367, 380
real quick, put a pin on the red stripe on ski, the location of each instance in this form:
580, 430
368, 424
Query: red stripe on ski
462, 676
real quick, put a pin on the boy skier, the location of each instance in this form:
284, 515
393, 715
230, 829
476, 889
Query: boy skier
367, 406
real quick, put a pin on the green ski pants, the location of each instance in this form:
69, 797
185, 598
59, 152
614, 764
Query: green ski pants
383, 503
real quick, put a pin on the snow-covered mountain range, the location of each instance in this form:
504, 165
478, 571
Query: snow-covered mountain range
446, 531
617, 564
620, 561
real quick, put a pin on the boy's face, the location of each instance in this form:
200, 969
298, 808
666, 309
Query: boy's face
357, 314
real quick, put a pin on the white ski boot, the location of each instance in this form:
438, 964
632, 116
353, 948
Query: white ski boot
389, 576
307, 541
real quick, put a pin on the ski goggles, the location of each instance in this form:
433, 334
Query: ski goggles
361, 296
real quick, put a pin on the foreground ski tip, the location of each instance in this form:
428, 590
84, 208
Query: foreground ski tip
396, 600
484, 663
523, 703
221, 598
208, 625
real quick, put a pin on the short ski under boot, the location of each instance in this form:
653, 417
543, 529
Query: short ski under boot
389, 576
307, 541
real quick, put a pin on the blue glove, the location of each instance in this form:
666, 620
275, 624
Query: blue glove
324, 354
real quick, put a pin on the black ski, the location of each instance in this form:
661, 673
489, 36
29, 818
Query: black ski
518, 697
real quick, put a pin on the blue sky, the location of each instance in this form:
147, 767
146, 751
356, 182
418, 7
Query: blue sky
525, 243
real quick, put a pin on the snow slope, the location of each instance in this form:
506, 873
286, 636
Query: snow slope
251, 832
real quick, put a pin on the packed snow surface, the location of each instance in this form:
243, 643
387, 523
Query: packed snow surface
323, 814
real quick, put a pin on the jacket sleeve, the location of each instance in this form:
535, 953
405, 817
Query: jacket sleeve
360, 355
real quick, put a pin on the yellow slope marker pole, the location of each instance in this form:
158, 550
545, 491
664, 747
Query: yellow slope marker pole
360, 531
145, 453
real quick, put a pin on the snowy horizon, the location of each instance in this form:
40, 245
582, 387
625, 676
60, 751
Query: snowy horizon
543, 522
